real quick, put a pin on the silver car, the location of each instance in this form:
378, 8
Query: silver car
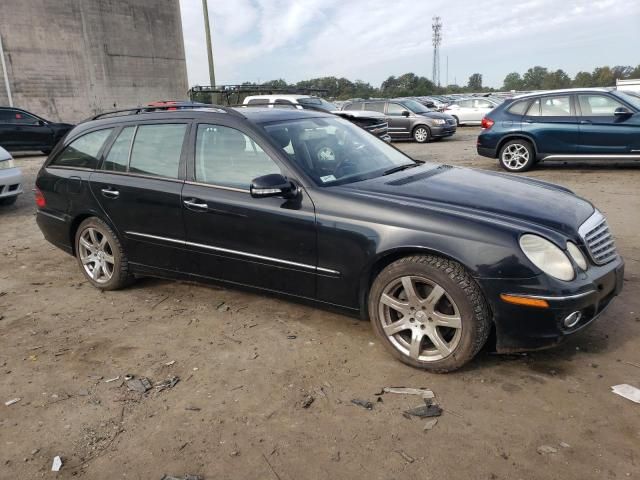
470, 111
10, 179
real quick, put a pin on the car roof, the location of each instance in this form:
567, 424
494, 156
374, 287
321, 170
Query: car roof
255, 115
564, 90
288, 96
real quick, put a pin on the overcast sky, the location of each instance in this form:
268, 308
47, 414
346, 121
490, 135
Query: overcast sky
260, 40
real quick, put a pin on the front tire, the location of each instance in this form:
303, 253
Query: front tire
429, 313
421, 134
517, 156
101, 256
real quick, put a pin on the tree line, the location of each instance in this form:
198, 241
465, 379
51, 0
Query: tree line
412, 85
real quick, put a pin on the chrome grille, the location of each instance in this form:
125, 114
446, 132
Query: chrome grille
598, 239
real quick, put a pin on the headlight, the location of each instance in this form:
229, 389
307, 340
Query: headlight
5, 164
577, 255
439, 121
547, 257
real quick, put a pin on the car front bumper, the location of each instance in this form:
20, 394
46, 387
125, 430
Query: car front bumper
10, 182
439, 131
522, 328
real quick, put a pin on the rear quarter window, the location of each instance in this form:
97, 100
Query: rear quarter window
518, 108
83, 152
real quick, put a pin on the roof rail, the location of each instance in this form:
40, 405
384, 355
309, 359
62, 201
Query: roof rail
164, 108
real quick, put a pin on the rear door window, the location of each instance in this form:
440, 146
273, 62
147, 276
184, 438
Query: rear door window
156, 150
555, 106
354, 106
374, 106
518, 108
83, 152
117, 160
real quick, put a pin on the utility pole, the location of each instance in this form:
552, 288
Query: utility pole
207, 31
5, 74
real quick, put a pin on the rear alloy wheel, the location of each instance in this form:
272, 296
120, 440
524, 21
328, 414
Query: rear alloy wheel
517, 156
429, 313
101, 256
421, 134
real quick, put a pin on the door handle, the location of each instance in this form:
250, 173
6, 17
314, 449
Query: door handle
193, 204
110, 193
586, 122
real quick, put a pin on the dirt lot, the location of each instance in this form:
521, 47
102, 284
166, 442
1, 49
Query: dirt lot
247, 361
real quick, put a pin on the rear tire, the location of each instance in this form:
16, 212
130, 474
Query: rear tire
100, 254
517, 156
421, 134
443, 320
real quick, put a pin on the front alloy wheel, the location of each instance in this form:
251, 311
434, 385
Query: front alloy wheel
429, 312
421, 134
420, 319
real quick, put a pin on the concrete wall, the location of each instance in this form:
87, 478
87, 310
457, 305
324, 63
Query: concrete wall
68, 59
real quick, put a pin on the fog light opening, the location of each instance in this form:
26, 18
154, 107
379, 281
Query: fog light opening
572, 319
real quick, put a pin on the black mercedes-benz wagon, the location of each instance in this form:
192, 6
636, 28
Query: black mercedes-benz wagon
306, 204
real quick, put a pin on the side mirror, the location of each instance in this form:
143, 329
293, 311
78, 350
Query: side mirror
272, 185
622, 112
405, 113
41, 123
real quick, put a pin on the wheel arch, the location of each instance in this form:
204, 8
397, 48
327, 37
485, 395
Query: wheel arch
517, 136
386, 258
81, 217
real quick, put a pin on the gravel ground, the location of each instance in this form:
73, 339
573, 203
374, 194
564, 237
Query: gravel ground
246, 363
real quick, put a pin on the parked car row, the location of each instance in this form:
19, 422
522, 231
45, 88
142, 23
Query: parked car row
10, 179
21, 131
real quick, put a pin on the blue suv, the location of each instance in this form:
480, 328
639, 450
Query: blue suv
592, 123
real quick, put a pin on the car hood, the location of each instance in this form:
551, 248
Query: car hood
434, 115
501, 196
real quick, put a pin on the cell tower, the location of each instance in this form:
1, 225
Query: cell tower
437, 40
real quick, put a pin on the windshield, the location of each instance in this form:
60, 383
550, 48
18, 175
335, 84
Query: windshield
317, 103
633, 100
415, 107
334, 151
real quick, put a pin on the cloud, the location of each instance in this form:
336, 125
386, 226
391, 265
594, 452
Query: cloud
295, 39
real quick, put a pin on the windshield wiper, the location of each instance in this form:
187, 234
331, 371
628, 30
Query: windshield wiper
399, 168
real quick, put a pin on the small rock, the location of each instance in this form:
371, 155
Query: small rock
83, 393
140, 385
546, 449
34, 451
362, 403
565, 445
57, 464
430, 424
336, 456
308, 400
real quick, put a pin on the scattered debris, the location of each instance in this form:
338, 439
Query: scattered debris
423, 392
291, 337
336, 456
308, 400
406, 456
128, 377
425, 411
12, 401
34, 451
193, 409
235, 453
565, 445
362, 403
140, 385
627, 391
546, 449
169, 383
112, 379
83, 393
186, 477
223, 307
57, 464
168, 364
430, 424
628, 363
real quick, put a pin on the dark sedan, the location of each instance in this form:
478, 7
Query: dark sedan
435, 256
21, 130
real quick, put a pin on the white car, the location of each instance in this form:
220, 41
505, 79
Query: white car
470, 111
290, 101
10, 179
